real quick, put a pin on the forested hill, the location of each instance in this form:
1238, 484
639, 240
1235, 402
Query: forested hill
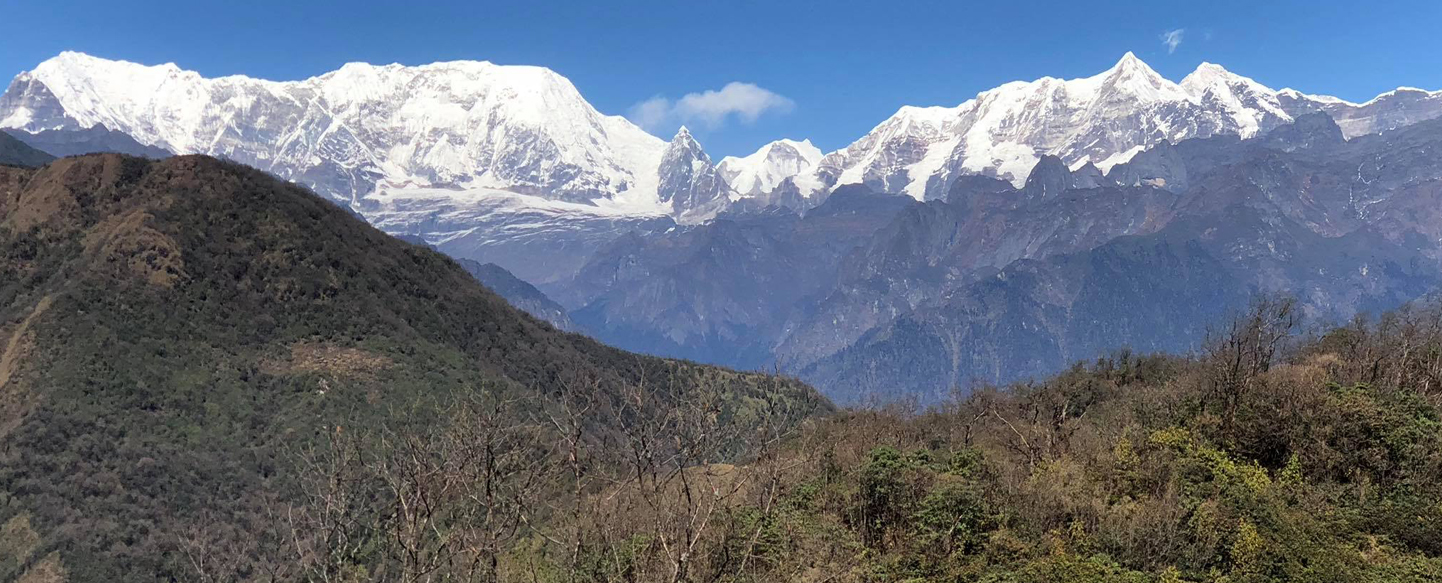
174, 332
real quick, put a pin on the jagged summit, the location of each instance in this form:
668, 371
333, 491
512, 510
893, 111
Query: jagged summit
688, 181
684, 138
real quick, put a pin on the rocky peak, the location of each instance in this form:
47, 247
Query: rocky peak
688, 182
1049, 178
1087, 176
1311, 130
684, 147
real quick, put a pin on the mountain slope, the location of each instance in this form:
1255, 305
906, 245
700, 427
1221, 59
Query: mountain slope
1286, 212
172, 331
516, 291
999, 282
520, 294
14, 152
724, 291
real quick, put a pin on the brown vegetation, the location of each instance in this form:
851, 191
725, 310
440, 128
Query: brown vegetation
1267, 457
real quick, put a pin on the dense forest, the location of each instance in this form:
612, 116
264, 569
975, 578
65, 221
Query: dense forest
1272, 454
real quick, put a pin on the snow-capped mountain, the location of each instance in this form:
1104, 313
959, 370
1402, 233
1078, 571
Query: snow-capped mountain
762, 171
688, 182
1104, 120
363, 128
510, 164
1391, 110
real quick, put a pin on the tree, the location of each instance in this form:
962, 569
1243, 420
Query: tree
1238, 354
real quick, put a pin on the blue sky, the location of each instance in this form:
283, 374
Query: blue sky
828, 71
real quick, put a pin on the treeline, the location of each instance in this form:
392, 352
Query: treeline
1270, 455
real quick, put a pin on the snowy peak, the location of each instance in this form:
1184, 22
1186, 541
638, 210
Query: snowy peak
1252, 107
364, 132
1209, 76
1131, 66
688, 182
1102, 120
792, 149
1134, 79
684, 142
762, 171
1002, 132
362, 129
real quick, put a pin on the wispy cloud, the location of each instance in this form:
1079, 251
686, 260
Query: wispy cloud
710, 109
1173, 39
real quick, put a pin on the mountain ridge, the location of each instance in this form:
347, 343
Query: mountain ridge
1103, 119
540, 136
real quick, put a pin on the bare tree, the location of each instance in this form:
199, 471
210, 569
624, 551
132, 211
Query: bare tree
569, 418
672, 439
437, 502
1238, 354
329, 532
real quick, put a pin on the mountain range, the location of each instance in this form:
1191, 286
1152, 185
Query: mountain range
364, 130
947, 245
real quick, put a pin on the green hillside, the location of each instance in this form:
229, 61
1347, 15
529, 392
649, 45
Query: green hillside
173, 333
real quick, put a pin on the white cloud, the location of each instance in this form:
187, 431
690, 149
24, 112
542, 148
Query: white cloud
651, 113
1173, 39
710, 109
